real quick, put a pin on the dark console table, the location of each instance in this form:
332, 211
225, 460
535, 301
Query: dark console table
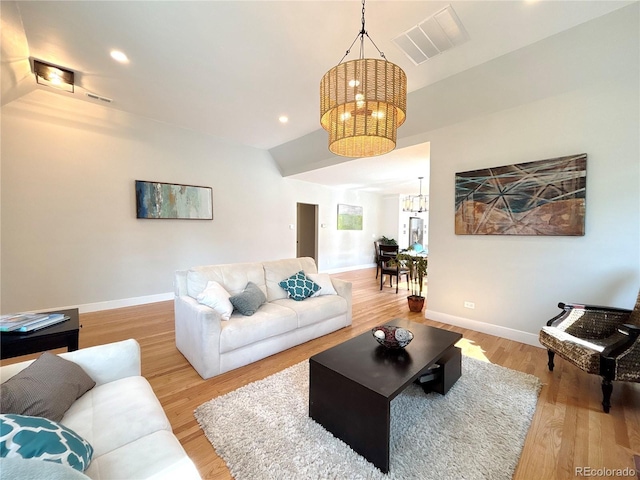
64, 334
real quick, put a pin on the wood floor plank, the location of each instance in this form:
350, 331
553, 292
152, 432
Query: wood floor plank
569, 429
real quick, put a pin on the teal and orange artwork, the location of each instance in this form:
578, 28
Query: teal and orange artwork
545, 197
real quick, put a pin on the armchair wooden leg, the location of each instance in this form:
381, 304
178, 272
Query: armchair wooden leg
607, 388
551, 355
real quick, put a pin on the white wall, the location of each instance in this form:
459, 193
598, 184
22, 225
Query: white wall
516, 281
69, 230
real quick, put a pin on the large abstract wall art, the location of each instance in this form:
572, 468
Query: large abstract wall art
545, 197
167, 200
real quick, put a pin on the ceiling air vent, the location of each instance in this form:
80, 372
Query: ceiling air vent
440, 32
93, 96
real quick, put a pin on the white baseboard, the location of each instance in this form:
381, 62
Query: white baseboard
347, 269
124, 302
496, 330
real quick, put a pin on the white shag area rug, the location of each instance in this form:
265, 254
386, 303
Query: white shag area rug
476, 431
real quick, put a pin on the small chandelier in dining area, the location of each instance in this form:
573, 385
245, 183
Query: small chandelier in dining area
362, 103
416, 203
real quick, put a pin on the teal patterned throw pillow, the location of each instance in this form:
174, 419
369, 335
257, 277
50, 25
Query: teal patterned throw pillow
299, 286
22, 436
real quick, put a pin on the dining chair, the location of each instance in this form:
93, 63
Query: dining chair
389, 267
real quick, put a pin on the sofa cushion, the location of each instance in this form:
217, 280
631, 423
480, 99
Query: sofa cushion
277, 270
324, 282
269, 321
248, 302
233, 277
46, 388
315, 309
116, 413
299, 286
158, 455
26, 437
216, 297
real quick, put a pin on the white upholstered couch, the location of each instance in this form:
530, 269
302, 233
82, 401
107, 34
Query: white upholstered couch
120, 417
214, 346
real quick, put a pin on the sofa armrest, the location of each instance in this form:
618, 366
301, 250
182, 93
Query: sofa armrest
198, 330
344, 289
180, 283
109, 362
103, 363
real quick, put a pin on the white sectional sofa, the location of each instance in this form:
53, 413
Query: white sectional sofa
120, 417
214, 346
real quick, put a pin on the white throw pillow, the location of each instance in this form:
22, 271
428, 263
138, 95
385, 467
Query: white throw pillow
324, 280
216, 297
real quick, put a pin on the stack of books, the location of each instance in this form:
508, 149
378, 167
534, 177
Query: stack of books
28, 322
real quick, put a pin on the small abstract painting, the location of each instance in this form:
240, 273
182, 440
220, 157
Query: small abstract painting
545, 197
167, 200
349, 217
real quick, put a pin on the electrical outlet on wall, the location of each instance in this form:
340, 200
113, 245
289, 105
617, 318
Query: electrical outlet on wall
469, 305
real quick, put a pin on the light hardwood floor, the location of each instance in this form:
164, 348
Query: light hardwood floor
569, 429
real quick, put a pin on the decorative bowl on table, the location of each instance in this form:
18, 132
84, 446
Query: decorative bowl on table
390, 336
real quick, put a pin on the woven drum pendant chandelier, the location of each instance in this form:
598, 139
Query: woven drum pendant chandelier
362, 103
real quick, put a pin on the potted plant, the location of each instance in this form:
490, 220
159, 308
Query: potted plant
387, 241
417, 266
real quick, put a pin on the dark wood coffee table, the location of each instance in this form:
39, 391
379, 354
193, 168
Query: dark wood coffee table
352, 384
64, 334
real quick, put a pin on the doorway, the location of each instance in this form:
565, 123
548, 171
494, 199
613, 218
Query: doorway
307, 231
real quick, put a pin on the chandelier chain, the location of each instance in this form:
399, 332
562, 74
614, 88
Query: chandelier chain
361, 35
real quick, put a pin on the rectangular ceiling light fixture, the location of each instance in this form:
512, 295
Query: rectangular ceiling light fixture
53, 76
440, 32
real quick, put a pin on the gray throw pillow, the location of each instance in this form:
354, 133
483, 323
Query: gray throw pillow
248, 302
46, 388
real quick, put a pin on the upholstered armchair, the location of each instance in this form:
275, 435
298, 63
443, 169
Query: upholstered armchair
602, 341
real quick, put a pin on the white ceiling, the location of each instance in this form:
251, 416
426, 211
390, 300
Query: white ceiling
231, 68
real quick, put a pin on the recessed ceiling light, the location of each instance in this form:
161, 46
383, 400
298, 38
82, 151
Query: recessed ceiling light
119, 56
283, 119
